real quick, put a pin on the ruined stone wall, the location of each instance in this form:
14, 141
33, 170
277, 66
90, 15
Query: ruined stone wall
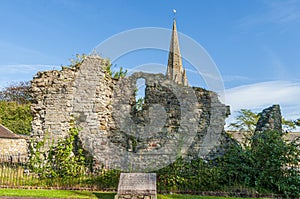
270, 119
52, 92
104, 108
78, 92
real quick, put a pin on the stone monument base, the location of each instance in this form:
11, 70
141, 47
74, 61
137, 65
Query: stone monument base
137, 186
134, 197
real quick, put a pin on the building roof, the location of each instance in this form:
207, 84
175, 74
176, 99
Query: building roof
8, 134
240, 135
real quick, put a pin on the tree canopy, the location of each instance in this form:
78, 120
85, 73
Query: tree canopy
246, 120
16, 92
15, 111
16, 117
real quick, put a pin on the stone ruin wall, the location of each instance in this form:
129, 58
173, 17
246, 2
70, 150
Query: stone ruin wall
85, 92
62, 96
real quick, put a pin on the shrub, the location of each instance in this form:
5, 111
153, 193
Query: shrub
63, 159
268, 165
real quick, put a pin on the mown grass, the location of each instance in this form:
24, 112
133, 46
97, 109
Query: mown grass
47, 193
89, 194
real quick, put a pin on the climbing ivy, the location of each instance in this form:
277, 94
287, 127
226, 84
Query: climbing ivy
65, 158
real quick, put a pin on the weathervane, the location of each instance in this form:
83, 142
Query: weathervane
174, 12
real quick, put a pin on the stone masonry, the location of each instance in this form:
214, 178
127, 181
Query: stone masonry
86, 93
13, 147
270, 119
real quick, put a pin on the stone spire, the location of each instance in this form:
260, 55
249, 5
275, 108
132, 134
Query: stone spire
175, 70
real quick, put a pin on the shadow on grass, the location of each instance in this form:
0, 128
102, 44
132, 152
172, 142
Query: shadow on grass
104, 195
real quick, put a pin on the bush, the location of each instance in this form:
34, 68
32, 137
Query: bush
16, 117
63, 159
189, 176
269, 164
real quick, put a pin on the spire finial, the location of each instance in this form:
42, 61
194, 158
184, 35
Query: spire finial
174, 12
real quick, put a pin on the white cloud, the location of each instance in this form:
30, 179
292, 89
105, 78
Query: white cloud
21, 72
24, 68
276, 11
262, 95
232, 78
283, 11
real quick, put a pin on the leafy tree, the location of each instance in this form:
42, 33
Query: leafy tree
297, 122
269, 165
288, 125
17, 92
16, 117
246, 121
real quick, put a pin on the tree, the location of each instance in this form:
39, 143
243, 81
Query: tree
246, 121
15, 111
288, 125
16, 117
268, 165
297, 122
17, 92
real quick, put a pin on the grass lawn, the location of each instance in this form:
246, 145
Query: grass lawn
89, 194
44, 193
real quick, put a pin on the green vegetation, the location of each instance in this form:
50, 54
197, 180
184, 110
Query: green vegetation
64, 159
88, 194
265, 164
139, 104
48, 193
16, 92
119, 74
77, 60
16, 117
15, 111
269, 165
115, 74
246, 121
186, 196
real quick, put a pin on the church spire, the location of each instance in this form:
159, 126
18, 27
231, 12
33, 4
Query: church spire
175, 70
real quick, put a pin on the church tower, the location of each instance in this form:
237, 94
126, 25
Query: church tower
175, 70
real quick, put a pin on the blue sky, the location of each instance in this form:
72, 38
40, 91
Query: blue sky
254, 43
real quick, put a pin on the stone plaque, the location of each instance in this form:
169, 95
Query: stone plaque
137, 184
